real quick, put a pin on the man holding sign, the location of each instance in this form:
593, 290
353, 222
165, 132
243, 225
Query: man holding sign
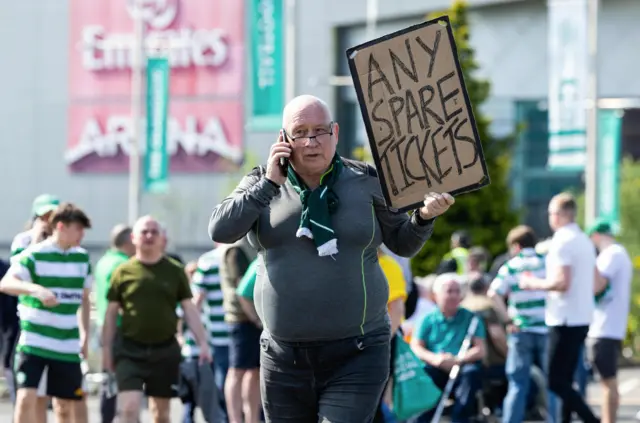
317, 221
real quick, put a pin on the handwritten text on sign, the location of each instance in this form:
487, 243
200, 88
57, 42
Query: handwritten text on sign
417, 113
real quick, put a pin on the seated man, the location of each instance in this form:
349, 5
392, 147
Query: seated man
438, 340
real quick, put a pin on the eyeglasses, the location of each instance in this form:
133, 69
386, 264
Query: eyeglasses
321, 135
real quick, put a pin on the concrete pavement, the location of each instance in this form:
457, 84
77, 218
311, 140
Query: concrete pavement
629, 386
94, 412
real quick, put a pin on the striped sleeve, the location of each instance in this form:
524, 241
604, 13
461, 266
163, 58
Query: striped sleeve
206, 277
23, 267
196, 281
501, 283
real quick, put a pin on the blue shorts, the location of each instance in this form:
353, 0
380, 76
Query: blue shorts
244, 346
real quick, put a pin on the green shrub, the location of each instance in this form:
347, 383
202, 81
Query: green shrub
486, 214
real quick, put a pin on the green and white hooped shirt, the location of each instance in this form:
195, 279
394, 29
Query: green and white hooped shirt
526, 308
206, 279
52, 332
20, 242
190, 348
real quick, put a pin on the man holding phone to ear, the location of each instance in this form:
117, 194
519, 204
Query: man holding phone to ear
320, 292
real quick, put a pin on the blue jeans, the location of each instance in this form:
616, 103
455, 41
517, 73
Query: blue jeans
581, 377
221, 367
464, 391
524, 350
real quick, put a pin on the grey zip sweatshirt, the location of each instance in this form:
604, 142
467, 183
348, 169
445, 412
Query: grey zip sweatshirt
299, 295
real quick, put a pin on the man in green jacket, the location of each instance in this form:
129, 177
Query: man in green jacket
121, 249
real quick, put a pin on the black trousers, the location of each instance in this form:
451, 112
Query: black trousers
107, 408
324, 382
565, 343
379, 417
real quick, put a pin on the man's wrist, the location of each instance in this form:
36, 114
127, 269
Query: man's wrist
272, 182
420, 220
34, 289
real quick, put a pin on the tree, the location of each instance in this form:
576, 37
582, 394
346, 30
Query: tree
629, 182
487, 213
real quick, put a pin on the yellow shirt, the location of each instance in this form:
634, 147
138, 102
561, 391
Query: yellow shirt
393, 271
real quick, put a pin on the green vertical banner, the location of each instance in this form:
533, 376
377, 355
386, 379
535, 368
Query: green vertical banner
156, 161
608, 165
267, 63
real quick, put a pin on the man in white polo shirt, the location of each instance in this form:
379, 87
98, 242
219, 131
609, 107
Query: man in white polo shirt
570, 282
609, 325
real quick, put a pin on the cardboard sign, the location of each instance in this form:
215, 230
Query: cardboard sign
417, 113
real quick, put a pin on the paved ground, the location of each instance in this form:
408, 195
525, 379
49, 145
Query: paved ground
629, 387
94, 413
629, 392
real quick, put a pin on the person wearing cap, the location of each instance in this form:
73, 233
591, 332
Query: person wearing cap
609, 325
41, 209
121, 249
570, 282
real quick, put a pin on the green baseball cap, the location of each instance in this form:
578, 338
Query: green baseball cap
600, 227
44, 204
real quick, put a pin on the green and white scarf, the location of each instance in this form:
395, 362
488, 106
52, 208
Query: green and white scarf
317, 207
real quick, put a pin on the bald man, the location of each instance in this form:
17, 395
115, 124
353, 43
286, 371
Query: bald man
143, 350
438, 340
317, 221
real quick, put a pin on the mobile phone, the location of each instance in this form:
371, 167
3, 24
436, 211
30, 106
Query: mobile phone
284, 162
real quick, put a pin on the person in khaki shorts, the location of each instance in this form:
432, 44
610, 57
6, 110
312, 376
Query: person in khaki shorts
242, 387
144, 352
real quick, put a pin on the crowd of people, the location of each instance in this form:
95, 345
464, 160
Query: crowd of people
296, 312
543, 306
